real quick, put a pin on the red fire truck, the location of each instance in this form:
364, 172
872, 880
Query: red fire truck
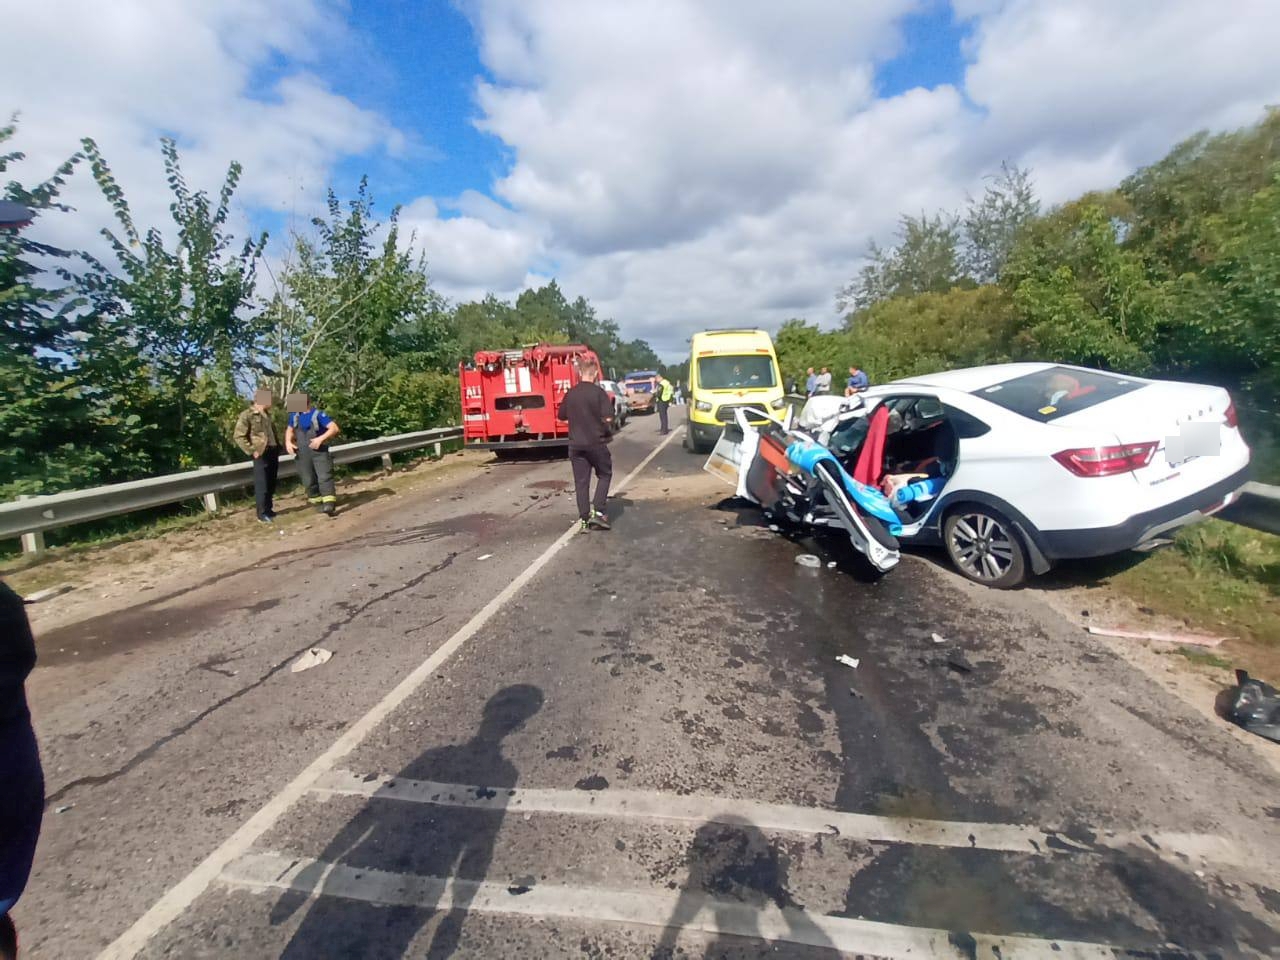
510, 397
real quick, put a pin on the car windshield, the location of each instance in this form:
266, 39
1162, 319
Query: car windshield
736, 373
1057, 392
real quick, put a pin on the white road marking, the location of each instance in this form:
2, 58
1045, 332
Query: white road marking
696, 911
648, 805
170, 906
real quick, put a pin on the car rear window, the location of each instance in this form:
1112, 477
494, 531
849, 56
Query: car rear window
1057, 392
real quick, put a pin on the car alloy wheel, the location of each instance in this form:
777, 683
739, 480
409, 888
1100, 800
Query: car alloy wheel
984, 547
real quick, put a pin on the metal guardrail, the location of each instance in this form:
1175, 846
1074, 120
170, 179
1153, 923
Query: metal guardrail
38, 514
1258, 508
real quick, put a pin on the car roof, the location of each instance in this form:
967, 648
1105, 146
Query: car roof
974, 378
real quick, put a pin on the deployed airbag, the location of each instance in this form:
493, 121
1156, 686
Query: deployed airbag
807, 456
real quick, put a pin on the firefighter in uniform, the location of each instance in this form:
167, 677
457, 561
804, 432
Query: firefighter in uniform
308, 435
665, 391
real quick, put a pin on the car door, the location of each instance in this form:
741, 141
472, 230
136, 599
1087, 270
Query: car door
926, 427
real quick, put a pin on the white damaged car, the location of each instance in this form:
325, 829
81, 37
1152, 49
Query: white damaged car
1009, 467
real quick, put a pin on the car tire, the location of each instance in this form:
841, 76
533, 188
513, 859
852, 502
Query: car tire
984, 547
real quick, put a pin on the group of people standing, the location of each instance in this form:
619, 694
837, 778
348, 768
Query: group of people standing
308, 433
818, 384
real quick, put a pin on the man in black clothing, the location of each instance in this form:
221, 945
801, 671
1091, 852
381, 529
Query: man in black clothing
589, 412
21, 779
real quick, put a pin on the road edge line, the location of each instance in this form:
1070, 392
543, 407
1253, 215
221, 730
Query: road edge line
175, 901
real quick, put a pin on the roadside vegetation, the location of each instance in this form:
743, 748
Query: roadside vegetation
134, 360
1175, 273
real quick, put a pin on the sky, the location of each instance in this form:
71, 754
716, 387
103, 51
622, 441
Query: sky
683, 164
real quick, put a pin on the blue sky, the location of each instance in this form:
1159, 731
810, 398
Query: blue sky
680, 163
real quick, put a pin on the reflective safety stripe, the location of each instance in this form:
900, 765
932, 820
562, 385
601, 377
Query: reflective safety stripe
330, 498
318, 499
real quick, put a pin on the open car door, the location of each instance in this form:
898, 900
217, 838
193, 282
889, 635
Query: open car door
756, 462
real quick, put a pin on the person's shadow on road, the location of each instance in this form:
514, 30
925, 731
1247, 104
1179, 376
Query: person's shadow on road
417, 839
735, 872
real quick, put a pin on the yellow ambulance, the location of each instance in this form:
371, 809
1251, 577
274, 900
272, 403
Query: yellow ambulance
729, 369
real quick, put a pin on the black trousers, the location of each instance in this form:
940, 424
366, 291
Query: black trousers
585, 460
662, 417
265, 469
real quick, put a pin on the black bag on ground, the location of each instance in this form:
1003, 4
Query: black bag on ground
1256, 707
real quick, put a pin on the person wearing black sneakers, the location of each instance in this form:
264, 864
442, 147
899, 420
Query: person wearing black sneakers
589, 412
255, 434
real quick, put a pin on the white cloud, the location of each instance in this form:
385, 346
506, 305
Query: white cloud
683, 163
694, 163
130, 71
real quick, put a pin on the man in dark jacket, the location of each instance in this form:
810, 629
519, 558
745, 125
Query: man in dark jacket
589, 412
255, 434
21, 778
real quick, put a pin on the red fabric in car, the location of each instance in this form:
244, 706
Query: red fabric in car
871, 456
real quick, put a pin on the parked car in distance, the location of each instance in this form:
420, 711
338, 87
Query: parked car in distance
639, 386
621, 406
1013, 467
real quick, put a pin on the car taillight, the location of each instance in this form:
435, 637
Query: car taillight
1106, 461
1229, 417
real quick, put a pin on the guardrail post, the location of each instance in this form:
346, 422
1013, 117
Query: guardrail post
386, 462
32, 542
211, 503
439, 454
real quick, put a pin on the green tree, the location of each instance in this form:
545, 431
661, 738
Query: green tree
926, 259
993, 223
183, 310
44, 419
1083, 296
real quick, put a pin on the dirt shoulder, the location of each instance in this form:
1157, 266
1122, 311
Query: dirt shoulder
115, 575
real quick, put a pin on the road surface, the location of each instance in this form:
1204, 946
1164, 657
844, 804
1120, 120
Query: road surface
532, 743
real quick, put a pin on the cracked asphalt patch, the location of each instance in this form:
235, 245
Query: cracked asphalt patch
682, 655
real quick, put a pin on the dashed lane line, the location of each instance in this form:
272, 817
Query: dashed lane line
170, 906
690, 910
648, 805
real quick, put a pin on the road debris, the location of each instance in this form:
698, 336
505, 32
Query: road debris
312, 658
484, 556
1255, 707
48, 593
938, 638
1195, 639
64, 808
831, 564
848, 661
958, 662
808, 560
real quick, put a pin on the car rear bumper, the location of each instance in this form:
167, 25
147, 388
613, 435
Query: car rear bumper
1143, 527
516, 444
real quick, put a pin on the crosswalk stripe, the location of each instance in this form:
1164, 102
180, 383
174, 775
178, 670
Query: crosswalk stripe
686, 911
645, 805
179, 897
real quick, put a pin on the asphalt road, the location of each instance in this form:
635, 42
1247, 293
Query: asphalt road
627, 744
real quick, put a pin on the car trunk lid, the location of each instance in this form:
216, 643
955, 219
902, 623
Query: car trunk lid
1183, 422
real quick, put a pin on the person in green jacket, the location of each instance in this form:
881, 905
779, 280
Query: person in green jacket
255, 434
